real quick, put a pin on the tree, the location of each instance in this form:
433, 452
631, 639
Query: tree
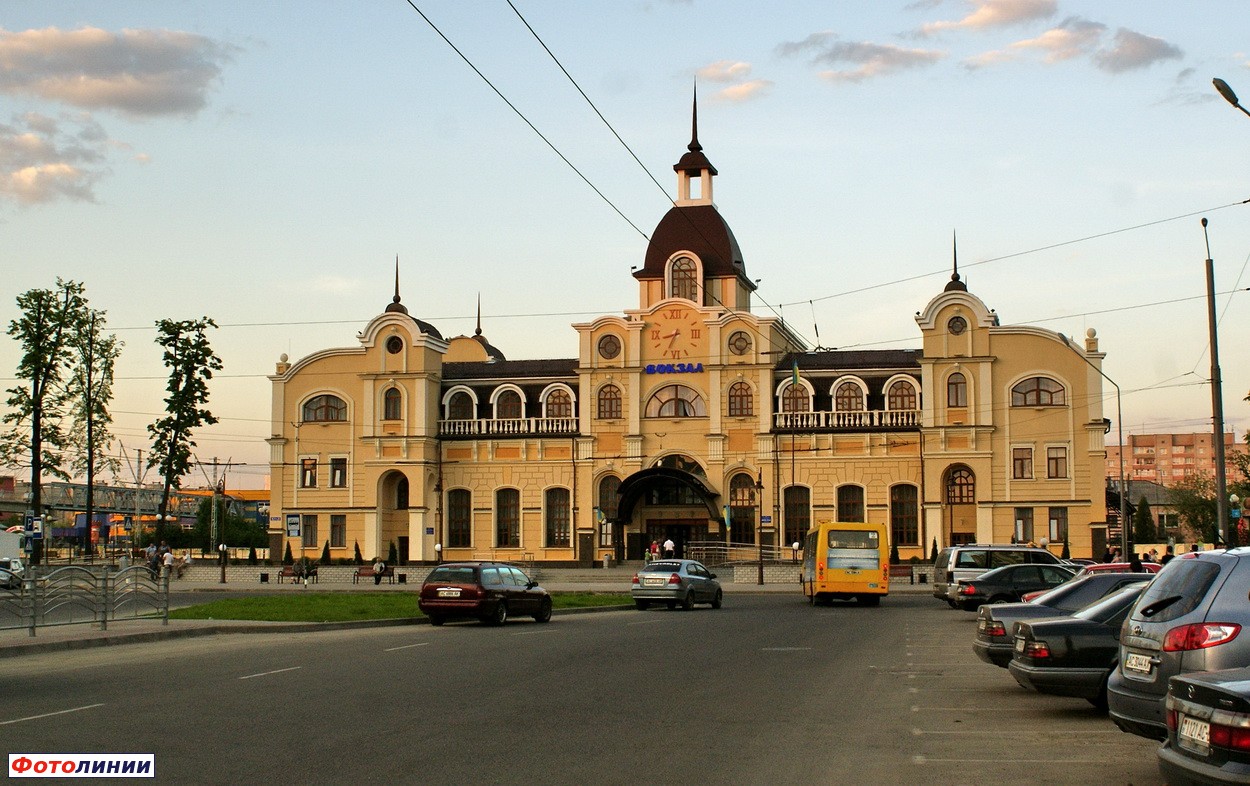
357, 559
933, 552
191, 362
37, 439
89, 392
1144, 524
392, 555
325, 554
1194, 500
287, 559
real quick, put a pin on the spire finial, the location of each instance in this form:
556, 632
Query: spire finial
955, 283
396, 298
478, 331
694, 145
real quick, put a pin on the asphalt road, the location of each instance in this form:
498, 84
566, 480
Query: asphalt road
765, 690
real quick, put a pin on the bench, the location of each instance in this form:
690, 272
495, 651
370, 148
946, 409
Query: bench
366, 572
293, 573
902, 572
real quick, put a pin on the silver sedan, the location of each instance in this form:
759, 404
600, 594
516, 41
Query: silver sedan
673, 581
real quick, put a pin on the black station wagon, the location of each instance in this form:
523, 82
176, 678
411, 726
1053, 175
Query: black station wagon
489, 591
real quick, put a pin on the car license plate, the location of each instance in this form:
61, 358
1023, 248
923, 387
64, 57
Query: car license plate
1193, 734
981, 625
1019, 645
449, 593
658, 582
1137, 662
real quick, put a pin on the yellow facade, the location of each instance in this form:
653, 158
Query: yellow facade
687, 417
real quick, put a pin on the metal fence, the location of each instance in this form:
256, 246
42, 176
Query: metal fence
79, 595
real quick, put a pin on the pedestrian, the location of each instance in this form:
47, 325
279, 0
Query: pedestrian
1108, 556
1134, 564
184, 563
1152, 556
669, 548
1168, 556
654, 550
379, 567
167, 560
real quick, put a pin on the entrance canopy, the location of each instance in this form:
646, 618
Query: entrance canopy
637, 484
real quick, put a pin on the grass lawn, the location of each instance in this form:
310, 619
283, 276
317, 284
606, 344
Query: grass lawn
346, 606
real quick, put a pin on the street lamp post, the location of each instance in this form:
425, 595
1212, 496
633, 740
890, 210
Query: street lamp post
759, 516
1229, 95
1217, 399
1125, 541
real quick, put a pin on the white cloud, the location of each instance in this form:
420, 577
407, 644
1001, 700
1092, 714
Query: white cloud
1072, 38
136, 72
43, 159
1133, 50
745, 91
988, 14
871, 60
724, 71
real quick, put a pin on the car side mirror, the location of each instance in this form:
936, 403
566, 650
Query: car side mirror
711, 575
531, 584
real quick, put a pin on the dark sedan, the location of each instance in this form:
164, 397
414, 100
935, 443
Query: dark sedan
489, 591
1073, 656
1008, 583
1208, 717
995, 623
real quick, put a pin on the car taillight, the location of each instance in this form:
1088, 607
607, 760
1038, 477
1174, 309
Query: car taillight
636, 579
1232, 737
1036, 649
995, 628
967, 589
1172, 720
1200, 636
674, 579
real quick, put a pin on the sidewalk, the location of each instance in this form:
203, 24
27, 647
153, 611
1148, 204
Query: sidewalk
17, 642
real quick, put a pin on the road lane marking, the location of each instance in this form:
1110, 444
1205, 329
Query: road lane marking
1015, 731
407, 646
51, 714
927, 760
785, 649
267, 673
532, 632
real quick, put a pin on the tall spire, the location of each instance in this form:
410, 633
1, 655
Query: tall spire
395, 304
478, 331
694, 145
955, 283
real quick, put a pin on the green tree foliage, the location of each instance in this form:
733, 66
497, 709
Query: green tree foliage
37, 438
357, 559
1194, 500
1144, 524
89, 392
236, 531
325, 554
392, 555
191, 363
287, 559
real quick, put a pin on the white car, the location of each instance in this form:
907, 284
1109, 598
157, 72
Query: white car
11, 570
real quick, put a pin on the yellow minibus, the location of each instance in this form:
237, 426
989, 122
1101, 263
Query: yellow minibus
844, 560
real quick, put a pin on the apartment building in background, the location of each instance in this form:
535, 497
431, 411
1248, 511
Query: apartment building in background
1168, 458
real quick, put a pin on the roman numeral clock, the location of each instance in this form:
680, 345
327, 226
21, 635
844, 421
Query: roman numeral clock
677, 334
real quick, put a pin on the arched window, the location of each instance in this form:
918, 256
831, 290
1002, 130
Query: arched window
798, 503
795, 398
460, 407
904, 515
956, 390
507, 518
609, 402
848, 398
609, 504
684, 279
676, 401
325, 409
559, 404
392, 404
742, 509
1038, 392
901, 395
741, 400
556, 512
459, 518
850, 503
508, 406
961, 486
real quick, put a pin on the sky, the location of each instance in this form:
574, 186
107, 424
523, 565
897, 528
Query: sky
265, 164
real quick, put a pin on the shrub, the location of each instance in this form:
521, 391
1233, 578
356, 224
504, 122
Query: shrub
287, 559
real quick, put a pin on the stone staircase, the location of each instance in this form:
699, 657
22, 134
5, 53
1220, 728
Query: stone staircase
617, 575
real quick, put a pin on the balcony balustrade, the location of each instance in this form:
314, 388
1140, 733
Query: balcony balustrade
846, 420
510, 427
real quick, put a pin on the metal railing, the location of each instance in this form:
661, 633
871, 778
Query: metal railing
715, 553
844, 420
510, 427
77, 595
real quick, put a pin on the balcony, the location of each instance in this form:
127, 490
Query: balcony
858, 420
513, 427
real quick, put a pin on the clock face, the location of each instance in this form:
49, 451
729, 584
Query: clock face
956, 326
677, 334
609, 347
740, 343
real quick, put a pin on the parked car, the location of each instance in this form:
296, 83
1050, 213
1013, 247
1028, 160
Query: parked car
673, 581
489, 591
1150, 568
1006, 585
1073, 656
995, 622
1189, 619
11, 571
959, 563
1208, 719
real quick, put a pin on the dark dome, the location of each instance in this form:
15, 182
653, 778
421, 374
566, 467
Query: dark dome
699, 229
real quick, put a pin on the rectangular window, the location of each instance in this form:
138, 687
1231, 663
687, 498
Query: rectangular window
1024, 525
904, 516
338, 473
1056, 462
459, 519
1022, 463
508, 518
338, 531
557, 510
1058, 525
850, 503
308, 473
798, 513
308, 523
